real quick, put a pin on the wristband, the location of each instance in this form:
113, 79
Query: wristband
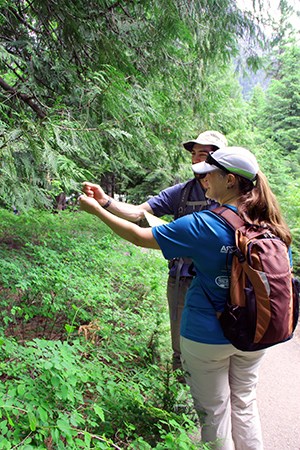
107, 204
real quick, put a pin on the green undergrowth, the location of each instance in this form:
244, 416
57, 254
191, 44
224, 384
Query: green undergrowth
84, 340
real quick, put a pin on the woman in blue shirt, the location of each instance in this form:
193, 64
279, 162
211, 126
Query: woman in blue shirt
222, 379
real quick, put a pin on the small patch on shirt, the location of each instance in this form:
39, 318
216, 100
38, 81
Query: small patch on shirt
222, 282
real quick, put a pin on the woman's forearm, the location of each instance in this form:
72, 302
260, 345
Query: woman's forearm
128, 211
142, 237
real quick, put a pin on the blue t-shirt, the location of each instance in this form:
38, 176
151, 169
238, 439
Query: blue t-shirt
168, 202
206, 239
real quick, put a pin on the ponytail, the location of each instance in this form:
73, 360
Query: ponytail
258, 204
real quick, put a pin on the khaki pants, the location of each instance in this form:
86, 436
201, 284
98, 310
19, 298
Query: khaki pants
223, 386
176, 305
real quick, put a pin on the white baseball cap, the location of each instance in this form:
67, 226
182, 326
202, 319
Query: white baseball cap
209, 137
236, 160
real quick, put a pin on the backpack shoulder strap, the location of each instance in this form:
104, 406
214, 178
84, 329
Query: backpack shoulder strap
184, 197
185, 194
231, 217
237, 223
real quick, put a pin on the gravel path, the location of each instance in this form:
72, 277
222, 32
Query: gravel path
279, 396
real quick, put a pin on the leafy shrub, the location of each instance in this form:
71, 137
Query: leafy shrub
68, 395
84, 343
70, 269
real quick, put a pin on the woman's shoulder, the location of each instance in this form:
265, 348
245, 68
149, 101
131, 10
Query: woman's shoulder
212, 220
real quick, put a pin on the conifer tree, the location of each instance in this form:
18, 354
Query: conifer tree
98, 89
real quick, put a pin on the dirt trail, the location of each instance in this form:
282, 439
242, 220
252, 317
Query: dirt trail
279, 396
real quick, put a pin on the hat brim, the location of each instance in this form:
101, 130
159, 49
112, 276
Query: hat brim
203, 167
190, 144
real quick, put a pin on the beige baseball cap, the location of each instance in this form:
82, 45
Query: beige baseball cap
209, 137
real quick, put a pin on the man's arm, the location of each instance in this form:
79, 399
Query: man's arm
127, 211
142, 237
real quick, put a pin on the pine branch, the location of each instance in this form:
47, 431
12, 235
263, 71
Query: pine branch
24, 97
114, 5
23, 21
15, 72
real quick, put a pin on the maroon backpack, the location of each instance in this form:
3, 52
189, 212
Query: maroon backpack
263, 306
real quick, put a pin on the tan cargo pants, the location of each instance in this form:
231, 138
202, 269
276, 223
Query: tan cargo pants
223, 384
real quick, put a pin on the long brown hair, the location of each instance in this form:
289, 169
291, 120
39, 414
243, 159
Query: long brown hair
258, 204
